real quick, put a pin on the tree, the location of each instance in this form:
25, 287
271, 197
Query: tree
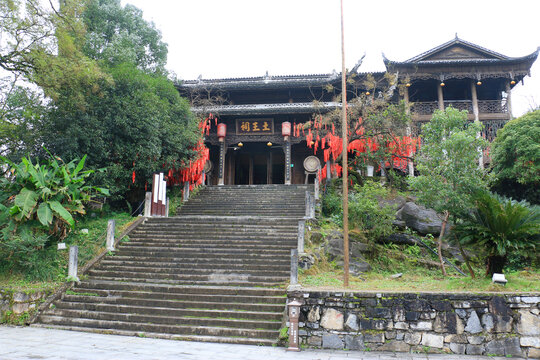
139, 126
135, 123
516, 158
377, 128
116, 34
500, 227
27, 30
39, 45
448, 167
20, 118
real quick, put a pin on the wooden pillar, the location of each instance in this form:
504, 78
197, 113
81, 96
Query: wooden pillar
410, 165
509, 99
232, 167
287, 149
250, 182
474, 101
269, 167
476, 113
221, 169
440, 97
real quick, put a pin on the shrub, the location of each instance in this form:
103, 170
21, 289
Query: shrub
501, 228
51, 193
365, 212
38, 203
516, 158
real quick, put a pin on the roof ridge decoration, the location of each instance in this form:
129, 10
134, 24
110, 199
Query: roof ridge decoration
456, 41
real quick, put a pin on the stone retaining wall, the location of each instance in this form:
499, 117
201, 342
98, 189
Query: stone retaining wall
486, 324
17, 306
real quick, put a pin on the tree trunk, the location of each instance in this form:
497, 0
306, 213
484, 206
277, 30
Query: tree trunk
466, 258
439, 247
495, 264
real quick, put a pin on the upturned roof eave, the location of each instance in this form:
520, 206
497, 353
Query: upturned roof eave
527, 60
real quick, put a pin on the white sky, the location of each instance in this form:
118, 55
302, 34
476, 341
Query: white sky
235, 38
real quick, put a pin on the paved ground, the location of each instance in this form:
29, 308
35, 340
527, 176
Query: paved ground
37, 343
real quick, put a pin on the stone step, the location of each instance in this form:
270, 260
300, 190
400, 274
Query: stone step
223, 280
155, 249
233, 204
215, 236
215, 227
199, 338
224, 254
171, 329
181, 266
179, 289
253, 299
216, 272
202, 271
169, 319
233, 228
208, 234
198, 219
276, 213
249, 245
291, 241
208, 260
166, 311
193, 277
173, 304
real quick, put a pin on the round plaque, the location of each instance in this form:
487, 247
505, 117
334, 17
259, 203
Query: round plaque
208, 166
312, 164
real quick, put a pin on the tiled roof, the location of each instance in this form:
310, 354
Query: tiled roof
490, 57
267, 109
266, 81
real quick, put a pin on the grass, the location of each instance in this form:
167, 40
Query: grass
524, 281
419, 267
89, 246
17, 282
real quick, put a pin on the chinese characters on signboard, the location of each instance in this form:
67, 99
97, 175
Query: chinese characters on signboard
254, 126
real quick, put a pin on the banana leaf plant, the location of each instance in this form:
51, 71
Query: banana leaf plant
51, 192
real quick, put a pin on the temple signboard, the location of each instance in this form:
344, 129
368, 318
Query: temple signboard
254, 126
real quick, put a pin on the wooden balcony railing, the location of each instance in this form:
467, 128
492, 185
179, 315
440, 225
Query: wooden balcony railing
484, 106
460, 105
424, 108
489, 132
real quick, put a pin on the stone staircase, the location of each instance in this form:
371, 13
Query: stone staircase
216, 272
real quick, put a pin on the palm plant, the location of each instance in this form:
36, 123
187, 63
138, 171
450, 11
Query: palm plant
500, 226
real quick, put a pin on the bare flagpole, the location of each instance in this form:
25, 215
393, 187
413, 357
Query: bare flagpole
344, 157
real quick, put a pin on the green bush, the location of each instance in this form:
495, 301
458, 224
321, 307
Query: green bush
516, 159
365, 213
500, 228
28, 252
39, 204
51, 193
332, 201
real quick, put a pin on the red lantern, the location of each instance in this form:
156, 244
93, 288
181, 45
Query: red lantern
286, 128
221, 130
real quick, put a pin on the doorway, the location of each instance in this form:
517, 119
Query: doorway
257, 163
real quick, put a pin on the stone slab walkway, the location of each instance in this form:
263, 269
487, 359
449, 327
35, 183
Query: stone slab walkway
37, 343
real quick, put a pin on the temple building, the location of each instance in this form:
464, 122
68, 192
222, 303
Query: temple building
252, 144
